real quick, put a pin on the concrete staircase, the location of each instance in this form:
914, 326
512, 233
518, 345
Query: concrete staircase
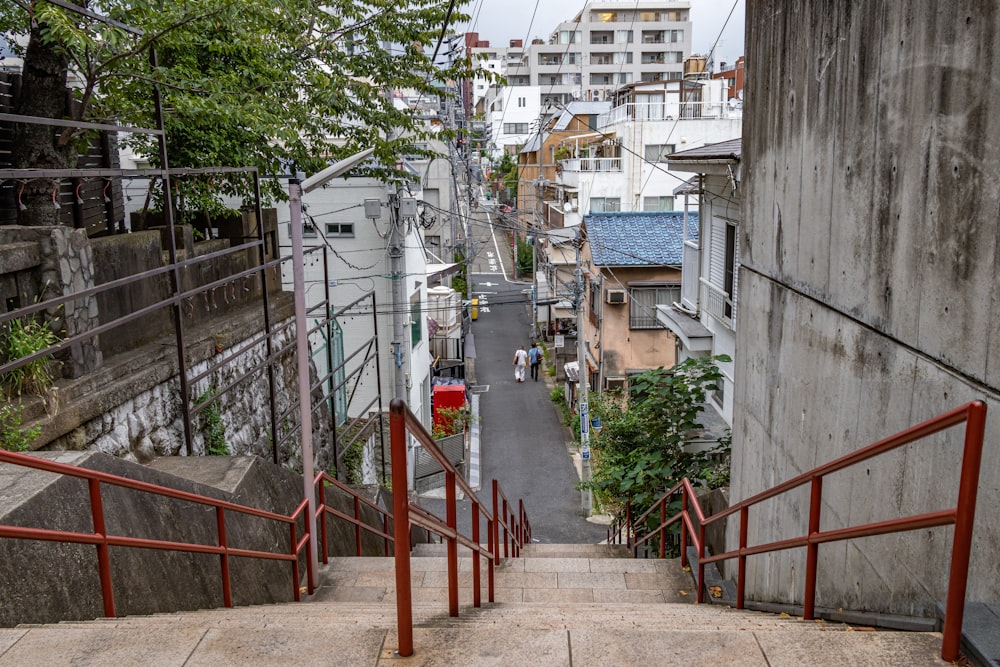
558, 605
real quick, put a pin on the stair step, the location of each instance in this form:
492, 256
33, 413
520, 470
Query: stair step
537, 550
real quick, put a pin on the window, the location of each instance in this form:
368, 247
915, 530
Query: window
657, 152
623, 78
675, 35
642, 305
605, 204
730, 269
416, 332
720, 393
308, 230
522, 102
663, 203
604, 17
650, 16
594, 302
515, 128
650, 77
341, 229
623, 36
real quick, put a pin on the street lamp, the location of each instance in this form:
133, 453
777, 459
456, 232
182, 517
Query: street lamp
295, 191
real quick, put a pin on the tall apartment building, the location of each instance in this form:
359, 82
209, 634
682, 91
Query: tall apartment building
608, 44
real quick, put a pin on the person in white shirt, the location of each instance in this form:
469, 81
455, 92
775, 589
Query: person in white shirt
520, 361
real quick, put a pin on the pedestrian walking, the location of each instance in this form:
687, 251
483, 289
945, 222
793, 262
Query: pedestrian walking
535, 359
520, 360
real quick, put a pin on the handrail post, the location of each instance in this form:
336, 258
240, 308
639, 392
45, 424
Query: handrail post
357, 526
294, 541
506, 524
700, 548
324, 551
663, 520
494, 554
227, 588
451, 508
496, 522
965, 513
476, 593
385, 530
310, 521
103, 554
663, 533
521, 529
401, 527
812, 549
741, 568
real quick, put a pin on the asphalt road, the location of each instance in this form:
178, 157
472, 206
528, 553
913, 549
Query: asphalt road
523, 443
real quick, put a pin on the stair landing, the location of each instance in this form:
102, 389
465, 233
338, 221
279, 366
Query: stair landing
562, 611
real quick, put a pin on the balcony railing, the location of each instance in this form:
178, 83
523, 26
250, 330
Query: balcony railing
592, 164
642, 111
717, 303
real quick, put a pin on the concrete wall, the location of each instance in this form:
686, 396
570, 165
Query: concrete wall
55, 582
868, 286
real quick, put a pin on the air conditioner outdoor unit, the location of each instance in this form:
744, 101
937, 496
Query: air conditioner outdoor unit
614, 384
617, 296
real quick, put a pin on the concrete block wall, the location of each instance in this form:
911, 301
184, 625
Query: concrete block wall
868, 284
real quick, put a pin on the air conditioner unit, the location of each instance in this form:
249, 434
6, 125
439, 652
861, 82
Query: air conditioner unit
614, 384
617, 296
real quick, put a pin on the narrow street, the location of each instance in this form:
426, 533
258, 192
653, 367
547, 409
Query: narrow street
523, 443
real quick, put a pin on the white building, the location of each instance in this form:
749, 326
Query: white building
704, 321
606, 45
622, 166
512, 114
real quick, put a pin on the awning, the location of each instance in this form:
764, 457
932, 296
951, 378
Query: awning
441, 270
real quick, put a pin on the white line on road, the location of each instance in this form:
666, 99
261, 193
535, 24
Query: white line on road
496, 245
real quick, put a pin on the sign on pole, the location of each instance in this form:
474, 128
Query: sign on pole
560, 340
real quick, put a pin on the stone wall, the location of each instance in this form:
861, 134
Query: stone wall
868, 285
144, 420
65, 266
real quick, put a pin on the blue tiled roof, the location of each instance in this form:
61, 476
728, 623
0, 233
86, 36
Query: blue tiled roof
639, 239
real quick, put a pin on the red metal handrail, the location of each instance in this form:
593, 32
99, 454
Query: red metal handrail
322, 509
401, 421
973, 415
104, 540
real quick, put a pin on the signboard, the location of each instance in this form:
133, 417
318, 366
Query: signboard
584, 419
585, 452
560, 340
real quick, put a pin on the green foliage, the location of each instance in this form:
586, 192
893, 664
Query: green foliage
558, 397
507, 170
460, 282
13, 438
524, 257
263, 84
640, 452
353, 458
212, 427
21, 338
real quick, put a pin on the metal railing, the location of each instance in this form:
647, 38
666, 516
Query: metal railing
668, 110
103, 539
962, 515
592, 164
717, 302
516, 528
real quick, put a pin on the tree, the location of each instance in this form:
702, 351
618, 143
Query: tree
268, 83
640, 452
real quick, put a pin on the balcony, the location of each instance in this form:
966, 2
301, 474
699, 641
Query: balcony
592, 164
717, 303
652, 111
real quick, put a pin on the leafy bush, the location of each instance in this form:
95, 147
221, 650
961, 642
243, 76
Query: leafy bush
524, 257
13, 438
22, 338
640, 448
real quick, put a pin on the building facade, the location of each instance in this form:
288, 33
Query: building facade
607, 45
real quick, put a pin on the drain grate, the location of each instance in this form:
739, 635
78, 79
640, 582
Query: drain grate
479, 388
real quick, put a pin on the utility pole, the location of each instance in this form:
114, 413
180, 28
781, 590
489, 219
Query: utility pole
399, 307
580, 290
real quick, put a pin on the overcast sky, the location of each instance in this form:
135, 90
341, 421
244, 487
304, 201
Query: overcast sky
500, 21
